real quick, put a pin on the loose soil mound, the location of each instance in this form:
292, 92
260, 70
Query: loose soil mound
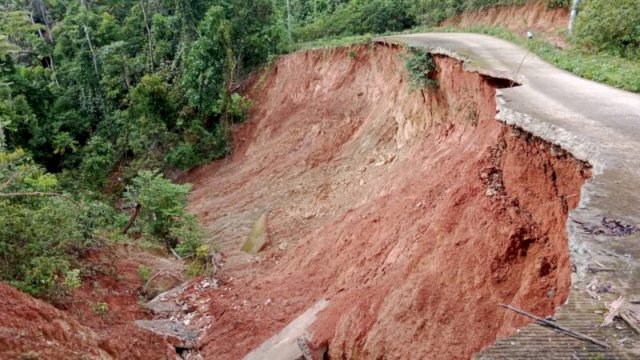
32, 329
414, 212
98, 320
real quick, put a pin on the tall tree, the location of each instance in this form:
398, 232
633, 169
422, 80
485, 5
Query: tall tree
574, 13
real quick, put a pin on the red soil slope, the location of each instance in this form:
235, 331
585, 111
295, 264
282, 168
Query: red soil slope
31, 329
534, 16
414, 212
98, 321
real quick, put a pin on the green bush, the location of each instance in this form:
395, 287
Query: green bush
421, 68
97, 161
145, 272
184, 156
163, 215
239, 107
40, 236
360, 17
611, 26
553, 4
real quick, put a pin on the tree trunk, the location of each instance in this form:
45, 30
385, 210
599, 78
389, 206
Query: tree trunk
132, 220
230, 66
1, 136
33, 22
93, 53
149, 39
574, 13
127, 77
47, 39
47, 22
289, 19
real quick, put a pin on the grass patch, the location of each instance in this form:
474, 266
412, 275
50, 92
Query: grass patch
331, 43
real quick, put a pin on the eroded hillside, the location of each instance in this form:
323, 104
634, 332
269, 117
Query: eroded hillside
414, 212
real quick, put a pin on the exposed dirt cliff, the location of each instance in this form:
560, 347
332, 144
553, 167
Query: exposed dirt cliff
414, 212
534, 16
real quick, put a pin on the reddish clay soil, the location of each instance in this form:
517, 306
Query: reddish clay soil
113, 279
32, 329
98, 321
535, 16
414, 212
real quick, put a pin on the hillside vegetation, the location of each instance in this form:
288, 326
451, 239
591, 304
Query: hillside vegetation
100, 99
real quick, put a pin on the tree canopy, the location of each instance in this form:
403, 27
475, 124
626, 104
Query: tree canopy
92, 91
139, 77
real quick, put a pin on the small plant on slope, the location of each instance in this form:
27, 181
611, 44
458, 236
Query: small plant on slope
421, 68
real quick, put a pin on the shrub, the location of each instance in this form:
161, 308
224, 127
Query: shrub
184, 156
239, 107
97, 161
144, 272
553, 4
611, 26
421, 69
163, 215
201, 262
100, 308
39, 236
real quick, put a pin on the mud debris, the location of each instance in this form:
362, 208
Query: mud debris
610, 227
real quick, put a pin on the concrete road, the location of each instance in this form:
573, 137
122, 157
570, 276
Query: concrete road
598, 124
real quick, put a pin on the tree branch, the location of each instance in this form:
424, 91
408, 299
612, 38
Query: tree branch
15, 174
561, 329
132, 219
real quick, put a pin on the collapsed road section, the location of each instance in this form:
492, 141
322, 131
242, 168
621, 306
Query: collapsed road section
413, 212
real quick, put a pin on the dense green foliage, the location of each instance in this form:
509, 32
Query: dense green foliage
140, 84
39, 234
360, 17
89, 89
610, 26
44, 230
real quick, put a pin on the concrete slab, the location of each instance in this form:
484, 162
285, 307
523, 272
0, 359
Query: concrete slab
284, 345
174, 331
